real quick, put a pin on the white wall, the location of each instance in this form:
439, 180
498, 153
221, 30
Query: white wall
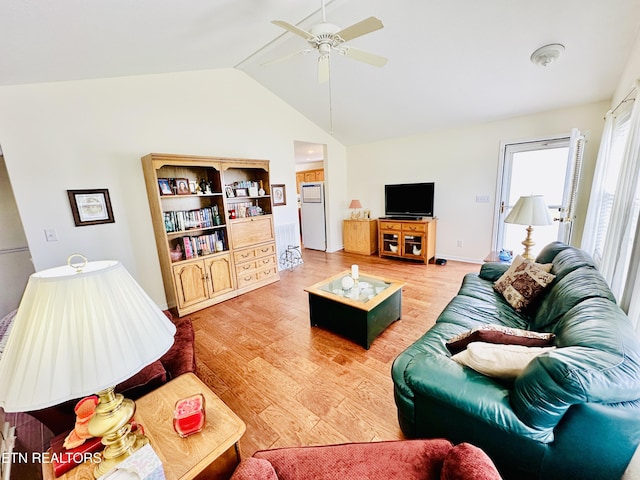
463, 163
630, 75
91, 134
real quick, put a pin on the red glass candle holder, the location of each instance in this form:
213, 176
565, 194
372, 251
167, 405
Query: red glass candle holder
189, 415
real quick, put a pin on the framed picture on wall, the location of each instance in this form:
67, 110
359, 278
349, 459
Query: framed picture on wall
90, 207
278, 194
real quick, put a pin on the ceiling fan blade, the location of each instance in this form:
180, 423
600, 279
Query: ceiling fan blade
363, 27
286, 57
323, 68
362, 56
293, 29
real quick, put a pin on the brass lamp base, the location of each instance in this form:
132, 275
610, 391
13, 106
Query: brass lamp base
112, 422
528, 243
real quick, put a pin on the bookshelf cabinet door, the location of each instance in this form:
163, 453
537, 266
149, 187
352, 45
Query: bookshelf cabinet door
190, 281
219, 275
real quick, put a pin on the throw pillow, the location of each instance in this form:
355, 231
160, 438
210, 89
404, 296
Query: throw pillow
523, 282
498, 361
468, 462
499, 334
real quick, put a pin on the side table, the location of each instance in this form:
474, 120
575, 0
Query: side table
212, 453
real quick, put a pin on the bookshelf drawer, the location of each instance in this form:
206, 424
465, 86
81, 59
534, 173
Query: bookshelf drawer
267, 272
265, 262
263, 250
249, 254
247, 278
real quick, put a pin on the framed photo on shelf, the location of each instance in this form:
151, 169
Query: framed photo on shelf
90, 207
229, 192
278, 194
165, 186
182, 186
241, 192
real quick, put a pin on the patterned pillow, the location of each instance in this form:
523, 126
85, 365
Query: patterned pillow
499, 334
523, 282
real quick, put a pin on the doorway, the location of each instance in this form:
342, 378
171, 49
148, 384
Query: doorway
15, 259
310, 171
548, 167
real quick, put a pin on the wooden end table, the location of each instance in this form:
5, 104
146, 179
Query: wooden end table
360, 313
212, 453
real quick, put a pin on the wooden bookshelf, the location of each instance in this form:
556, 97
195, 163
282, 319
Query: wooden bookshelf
199, 232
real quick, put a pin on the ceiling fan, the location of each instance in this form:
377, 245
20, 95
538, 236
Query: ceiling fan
327, 37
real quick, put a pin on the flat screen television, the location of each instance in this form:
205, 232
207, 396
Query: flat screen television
409, 200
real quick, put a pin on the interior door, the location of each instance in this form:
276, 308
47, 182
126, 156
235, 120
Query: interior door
549, 167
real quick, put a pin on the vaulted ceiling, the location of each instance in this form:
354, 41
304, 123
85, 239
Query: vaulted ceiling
450, 63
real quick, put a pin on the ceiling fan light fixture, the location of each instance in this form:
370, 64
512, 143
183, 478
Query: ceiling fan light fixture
546, 55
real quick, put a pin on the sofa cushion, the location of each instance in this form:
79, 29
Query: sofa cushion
523, 282
595, 361
469, 312
570, 290
498, 361
181, 356
549, 252
468, 462
568, 260
254, 469
492, 271
406, 459
500, 334
149, 378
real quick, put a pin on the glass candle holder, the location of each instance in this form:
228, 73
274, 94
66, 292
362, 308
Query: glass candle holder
189, 415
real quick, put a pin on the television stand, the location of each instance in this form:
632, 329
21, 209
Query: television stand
409, 239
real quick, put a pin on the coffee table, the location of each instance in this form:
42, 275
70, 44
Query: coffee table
212, 453
359, 313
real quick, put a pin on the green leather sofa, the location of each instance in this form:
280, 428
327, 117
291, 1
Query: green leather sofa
573, 413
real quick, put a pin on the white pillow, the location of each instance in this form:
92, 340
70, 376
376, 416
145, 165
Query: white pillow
497, 360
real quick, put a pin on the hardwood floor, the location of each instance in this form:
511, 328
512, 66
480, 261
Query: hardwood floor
297, 385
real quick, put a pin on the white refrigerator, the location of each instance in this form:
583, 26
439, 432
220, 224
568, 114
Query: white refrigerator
314, 234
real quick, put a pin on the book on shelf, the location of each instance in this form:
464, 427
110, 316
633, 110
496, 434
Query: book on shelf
182, 220
199, 245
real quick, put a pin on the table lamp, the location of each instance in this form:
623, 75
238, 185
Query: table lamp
80, 330
354, 206
531, 210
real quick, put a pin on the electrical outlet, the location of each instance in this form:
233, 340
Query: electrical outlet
460, 243
51, 234
482, 198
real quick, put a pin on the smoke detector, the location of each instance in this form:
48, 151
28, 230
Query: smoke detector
545, 56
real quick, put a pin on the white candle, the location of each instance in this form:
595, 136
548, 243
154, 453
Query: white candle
354, 272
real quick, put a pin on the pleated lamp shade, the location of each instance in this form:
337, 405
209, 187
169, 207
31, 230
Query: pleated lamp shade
531, 210
77, 333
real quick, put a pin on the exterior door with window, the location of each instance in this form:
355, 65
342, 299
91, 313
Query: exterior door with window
548, 167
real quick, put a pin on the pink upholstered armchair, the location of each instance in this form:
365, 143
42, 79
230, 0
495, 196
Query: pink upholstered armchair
434, 459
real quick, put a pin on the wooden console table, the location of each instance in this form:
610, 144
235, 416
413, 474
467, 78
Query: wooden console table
212, 453
410, 239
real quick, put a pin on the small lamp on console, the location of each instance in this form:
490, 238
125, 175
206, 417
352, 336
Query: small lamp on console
355, 207
81, 329
531, 210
